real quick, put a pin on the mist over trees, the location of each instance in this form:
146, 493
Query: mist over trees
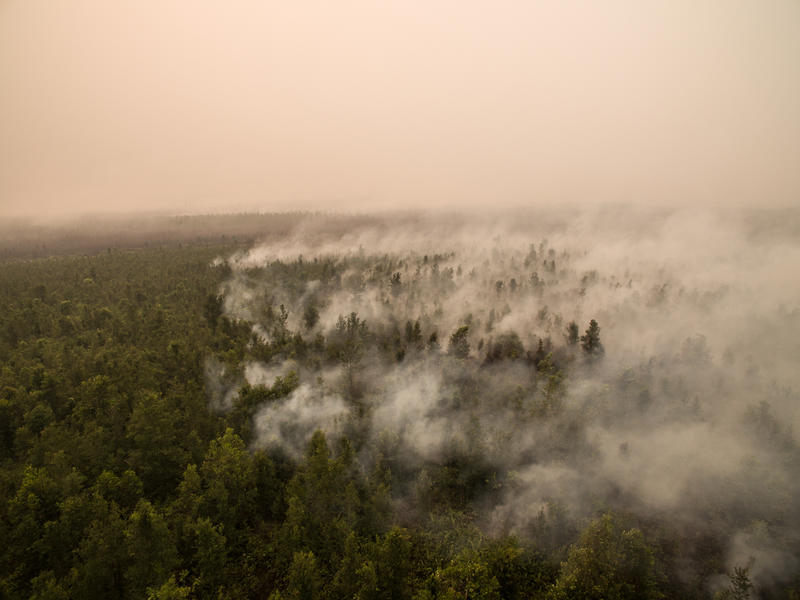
572, 405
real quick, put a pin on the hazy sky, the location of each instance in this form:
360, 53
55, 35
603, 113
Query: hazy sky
212, 105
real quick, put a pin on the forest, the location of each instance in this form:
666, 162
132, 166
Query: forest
548, 405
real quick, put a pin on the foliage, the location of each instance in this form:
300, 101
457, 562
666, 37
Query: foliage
590, 341
739, 588
132, 465
459, 342
609, 562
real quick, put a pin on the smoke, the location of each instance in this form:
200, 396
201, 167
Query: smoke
221, 392
258, 373
414, 407
290, 422
761, 550
688, 413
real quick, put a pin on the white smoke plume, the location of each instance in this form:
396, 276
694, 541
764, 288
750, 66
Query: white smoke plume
689, 412
221, 392
290, 422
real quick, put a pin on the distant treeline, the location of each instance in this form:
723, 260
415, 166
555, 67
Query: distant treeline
42, 237
20, 238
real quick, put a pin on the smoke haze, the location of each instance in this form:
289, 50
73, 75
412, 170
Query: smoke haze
688, 416
205, 106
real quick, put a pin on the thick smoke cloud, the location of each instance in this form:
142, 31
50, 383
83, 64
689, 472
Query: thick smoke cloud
688, 413
289, 422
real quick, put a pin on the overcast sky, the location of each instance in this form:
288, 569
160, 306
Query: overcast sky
230, 105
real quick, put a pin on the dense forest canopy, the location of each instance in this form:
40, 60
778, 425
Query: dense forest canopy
554, 405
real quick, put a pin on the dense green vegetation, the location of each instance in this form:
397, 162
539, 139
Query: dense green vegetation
141, 458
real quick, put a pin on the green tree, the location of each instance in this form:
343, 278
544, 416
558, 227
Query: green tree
345, 582
459, 342
151, 550
209, 562
347, 344
169, 590
609, 562
506, 346
467, 576
322, 503
212, 309
573, 333
551, 384
102, 555
303, 579
590, 341
310, 316
520, 572
158, 455
229, 484
46, 587
385, 574
739, 588
32, 511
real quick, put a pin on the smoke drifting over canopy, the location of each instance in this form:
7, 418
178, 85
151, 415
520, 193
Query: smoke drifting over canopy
688, 416
197, 106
